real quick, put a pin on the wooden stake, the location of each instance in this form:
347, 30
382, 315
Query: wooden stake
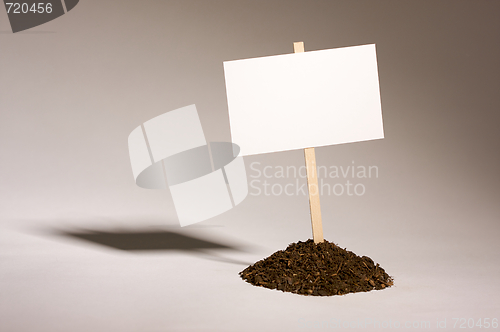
312, 179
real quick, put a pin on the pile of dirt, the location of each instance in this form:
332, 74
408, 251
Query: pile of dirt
321, 269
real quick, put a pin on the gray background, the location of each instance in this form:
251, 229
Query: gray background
72, 90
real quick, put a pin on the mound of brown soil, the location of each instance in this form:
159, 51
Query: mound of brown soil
317, 269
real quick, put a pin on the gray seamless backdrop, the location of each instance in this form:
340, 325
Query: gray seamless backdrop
71, 91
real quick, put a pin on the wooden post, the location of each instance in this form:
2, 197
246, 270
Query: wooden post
312, 179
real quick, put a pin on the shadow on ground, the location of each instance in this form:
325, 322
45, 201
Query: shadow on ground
158, 240
150, 240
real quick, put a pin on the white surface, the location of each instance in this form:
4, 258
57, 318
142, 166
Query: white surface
301, 100
64, 284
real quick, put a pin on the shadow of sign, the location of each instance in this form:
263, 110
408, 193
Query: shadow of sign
154, 240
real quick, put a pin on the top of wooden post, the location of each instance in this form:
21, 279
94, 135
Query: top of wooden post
298, 47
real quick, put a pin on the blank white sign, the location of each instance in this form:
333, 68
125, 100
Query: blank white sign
302, 100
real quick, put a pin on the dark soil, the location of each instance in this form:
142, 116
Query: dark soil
321, 269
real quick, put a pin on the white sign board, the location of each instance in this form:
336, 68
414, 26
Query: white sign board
302, 100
